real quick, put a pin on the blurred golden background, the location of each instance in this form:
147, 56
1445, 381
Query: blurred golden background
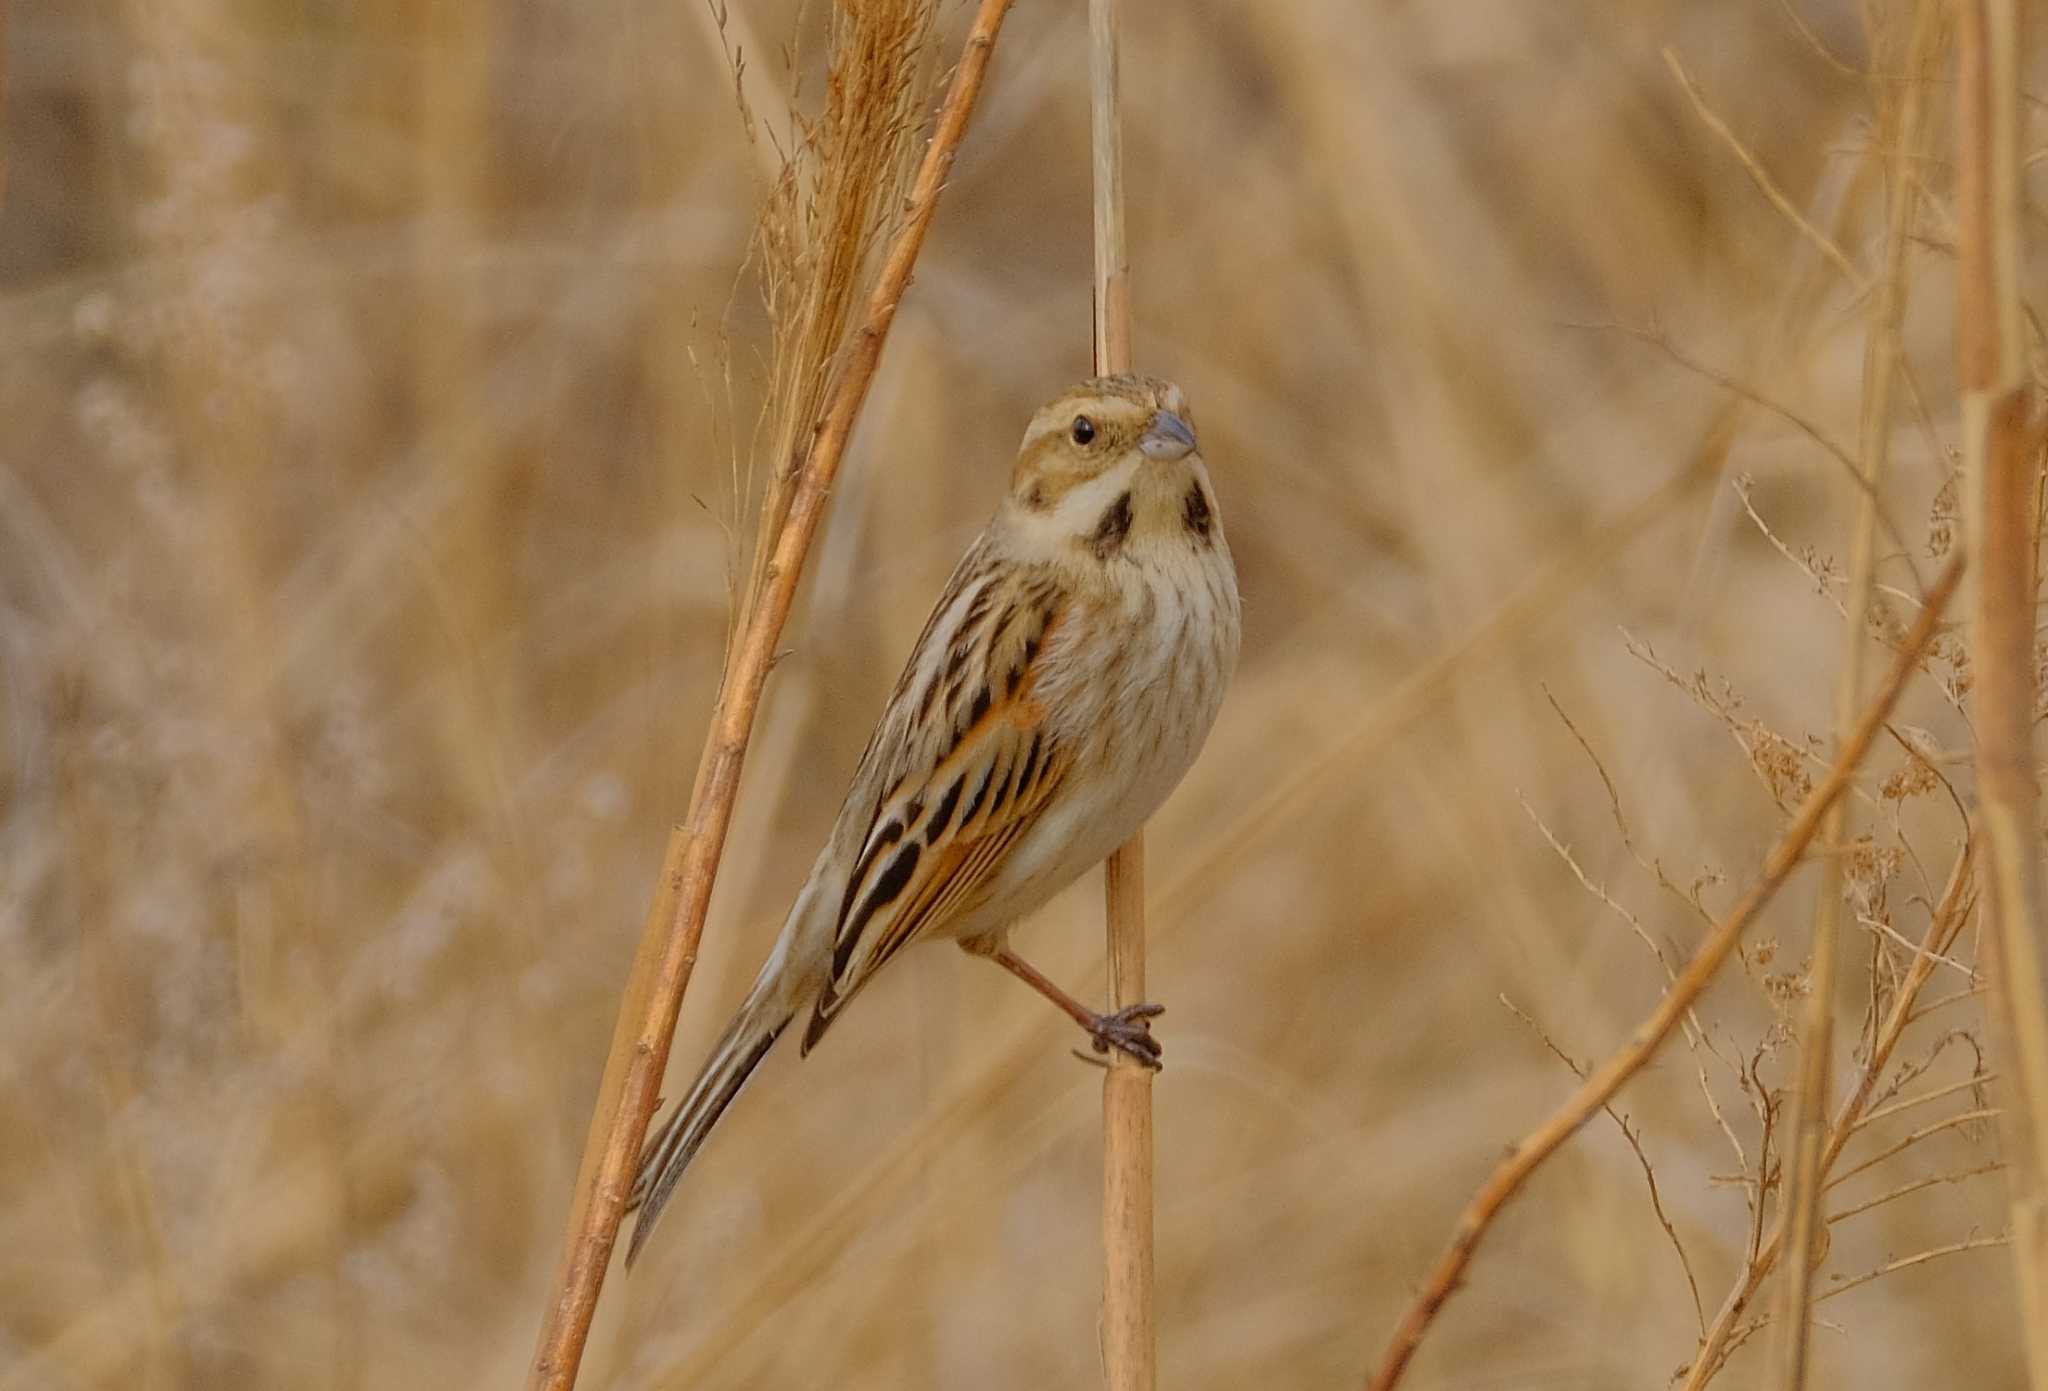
367, 503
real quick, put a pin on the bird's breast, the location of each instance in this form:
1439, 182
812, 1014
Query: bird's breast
1147, 676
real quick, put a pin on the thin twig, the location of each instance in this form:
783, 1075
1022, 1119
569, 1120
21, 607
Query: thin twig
1695, 1034
1946, 1123
1599, 891
1959, 997
668, 948
1635, 1144
1974, 1243
1811, 566
1914, 1187
1129, 1345
1892, 934
1756, 396
1935, 1094
2000, 445
1537, 1146
1913, 1071
1814, 43
1761, 176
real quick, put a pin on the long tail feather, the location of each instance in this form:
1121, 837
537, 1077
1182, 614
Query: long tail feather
740, 1049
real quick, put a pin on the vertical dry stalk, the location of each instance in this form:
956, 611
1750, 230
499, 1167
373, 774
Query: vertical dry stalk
668, 949
1129, 1349
1129, 1339
1607, 1079
3, 103
1999, 444
1899, 122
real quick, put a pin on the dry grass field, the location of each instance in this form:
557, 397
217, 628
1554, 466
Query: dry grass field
370, 491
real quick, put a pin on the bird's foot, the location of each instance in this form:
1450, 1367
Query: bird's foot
1129, 1031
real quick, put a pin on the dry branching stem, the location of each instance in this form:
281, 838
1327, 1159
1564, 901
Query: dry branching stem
1725, 1333
668, 948
1604, 1081
1129, 1340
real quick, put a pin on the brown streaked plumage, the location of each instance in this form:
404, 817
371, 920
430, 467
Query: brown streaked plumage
1062, 685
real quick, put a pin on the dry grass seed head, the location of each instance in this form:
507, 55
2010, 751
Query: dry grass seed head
831, 208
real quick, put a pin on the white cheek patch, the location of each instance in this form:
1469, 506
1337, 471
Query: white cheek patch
1081, 510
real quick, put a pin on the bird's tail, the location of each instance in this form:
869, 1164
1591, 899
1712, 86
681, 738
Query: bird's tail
745, 1042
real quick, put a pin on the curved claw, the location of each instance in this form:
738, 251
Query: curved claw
1130, 1032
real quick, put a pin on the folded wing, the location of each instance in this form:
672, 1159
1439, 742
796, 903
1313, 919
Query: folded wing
966, 763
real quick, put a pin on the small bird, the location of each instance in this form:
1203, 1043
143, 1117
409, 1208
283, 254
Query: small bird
1062, 685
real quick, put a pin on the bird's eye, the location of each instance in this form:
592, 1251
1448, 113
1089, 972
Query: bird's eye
1084, 429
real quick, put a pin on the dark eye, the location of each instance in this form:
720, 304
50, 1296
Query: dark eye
1084, 429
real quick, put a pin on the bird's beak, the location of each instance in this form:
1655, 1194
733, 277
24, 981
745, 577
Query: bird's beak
1169, 438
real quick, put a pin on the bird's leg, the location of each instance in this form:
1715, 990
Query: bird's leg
1127, 1030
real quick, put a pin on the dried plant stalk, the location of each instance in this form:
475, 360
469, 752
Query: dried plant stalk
2000, 444
1899, 124
668, 949
3, 106
1607, 1079
1129, 1340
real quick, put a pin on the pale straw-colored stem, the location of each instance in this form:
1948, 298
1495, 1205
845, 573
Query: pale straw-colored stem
1899, 121
2001, 445
668, 947
1129, 1341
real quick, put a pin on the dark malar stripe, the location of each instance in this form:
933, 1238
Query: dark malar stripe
1112, 529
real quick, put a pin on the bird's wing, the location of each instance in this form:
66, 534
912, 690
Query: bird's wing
962, 765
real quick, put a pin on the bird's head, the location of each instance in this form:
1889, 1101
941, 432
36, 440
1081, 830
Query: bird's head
1112, 465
